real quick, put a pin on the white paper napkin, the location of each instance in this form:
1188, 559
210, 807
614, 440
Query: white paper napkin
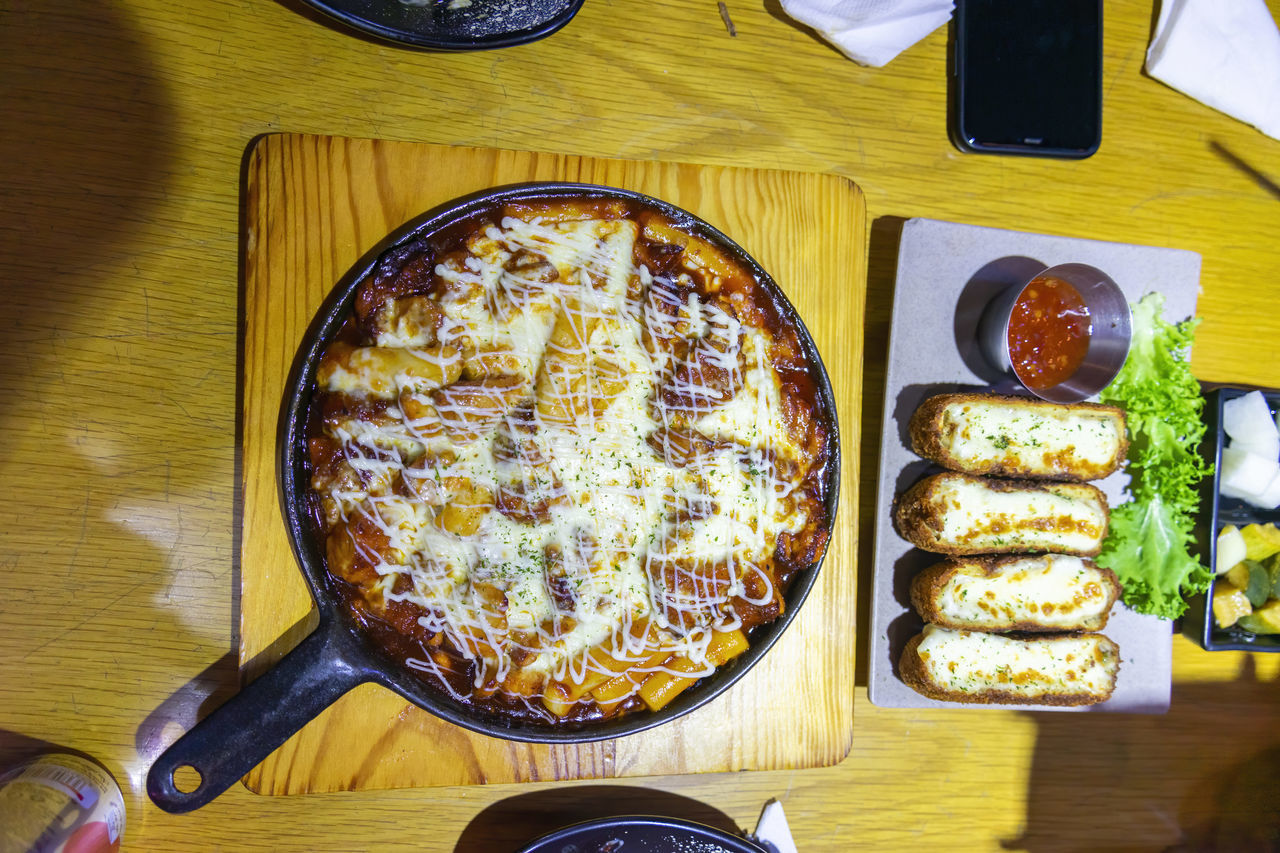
773, 830
1223, 53
871, 32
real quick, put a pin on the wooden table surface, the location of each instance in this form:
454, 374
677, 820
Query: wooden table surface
125, 127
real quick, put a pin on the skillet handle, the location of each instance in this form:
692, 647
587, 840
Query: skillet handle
239, 734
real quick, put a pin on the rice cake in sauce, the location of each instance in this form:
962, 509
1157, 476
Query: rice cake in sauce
565, 449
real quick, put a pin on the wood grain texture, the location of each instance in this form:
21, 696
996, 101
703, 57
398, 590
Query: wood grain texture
315, 205
121, 192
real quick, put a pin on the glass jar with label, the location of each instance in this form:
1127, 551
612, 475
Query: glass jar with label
60, 803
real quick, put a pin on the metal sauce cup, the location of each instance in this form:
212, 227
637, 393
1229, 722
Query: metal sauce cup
1110, 330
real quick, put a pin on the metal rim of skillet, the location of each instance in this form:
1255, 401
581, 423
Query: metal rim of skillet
438, 26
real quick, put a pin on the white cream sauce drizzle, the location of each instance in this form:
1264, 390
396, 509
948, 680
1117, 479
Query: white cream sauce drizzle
612, 518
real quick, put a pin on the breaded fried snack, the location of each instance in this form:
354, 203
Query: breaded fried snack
1020, 437
981, 668
1049, 592
959, 514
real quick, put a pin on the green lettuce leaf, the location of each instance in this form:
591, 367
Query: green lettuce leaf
1150, 541
1148, 547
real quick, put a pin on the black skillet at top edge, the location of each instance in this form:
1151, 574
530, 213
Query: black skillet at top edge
338, 656
452, 26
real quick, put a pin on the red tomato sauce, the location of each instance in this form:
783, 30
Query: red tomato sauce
1048, 333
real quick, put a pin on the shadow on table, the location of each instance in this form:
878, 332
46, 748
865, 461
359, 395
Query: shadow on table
16, 748
1257, 176
514, 822
1209, 771
75, 191
186, 706
882, 268
85, 174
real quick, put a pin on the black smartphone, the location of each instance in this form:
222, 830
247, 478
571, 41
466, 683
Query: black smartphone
1027, 77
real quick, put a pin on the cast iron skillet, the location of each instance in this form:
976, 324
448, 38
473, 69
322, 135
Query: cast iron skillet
640, 834
439, 25
338, 655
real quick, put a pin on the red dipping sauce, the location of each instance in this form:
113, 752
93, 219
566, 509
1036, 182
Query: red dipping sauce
1048, 333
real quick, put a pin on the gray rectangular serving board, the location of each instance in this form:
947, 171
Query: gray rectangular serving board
947, 272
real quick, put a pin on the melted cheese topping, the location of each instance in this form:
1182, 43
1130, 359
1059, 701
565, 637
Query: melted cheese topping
1047, 439
973, 662
537, 493
984, 518
1052, 591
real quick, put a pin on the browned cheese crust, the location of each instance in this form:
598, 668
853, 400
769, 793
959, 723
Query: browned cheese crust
475, 352
927, 432
915, 675
927, 587
918, 516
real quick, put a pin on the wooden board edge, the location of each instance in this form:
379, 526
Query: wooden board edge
261, 146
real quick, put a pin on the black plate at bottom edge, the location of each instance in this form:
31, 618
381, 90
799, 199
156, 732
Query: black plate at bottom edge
640, 834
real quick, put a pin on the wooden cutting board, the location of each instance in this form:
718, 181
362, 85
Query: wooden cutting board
314, 205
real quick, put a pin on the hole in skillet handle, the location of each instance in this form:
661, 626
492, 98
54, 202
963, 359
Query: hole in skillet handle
173, 785
187, 779
294, 479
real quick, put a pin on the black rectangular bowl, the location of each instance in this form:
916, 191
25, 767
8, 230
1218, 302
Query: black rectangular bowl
1217, 511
